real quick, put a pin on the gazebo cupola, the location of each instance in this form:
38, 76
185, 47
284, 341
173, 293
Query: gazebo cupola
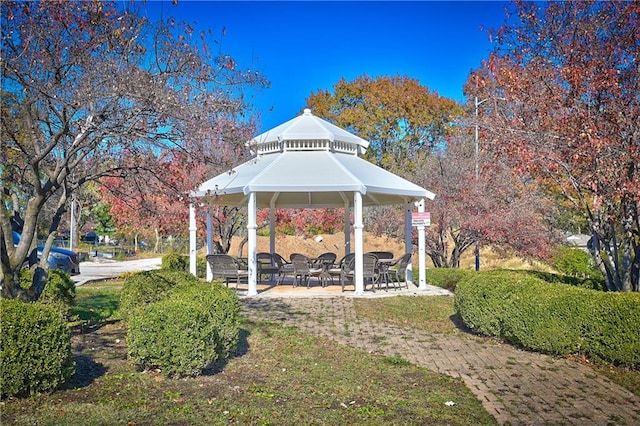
307, 133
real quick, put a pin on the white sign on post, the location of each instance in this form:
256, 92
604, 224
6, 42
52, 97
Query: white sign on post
420, 218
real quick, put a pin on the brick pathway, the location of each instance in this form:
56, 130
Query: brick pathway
515, 386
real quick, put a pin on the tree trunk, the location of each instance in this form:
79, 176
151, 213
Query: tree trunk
241, 246
156, 248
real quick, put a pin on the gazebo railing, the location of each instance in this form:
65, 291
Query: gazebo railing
307, 145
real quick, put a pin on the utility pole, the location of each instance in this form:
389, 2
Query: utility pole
477, 170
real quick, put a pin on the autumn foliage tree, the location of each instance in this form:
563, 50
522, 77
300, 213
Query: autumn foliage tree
493, 208
397, 115
568, 76
305, 222
153, 205
89, 85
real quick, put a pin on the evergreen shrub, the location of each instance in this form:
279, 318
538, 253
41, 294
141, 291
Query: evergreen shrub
59, 290
178, 262
446, 277
191, 329
201, 267
175, 262
578, 264
146, 287
35, 348
552, 318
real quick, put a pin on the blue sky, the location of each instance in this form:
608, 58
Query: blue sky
305, 46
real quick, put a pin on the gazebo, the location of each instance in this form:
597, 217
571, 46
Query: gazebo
308, 162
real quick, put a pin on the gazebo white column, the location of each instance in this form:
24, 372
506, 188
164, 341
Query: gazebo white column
252, 240
192, 239
358, 226
347, 225
209, 242
408, 246
272, 226
422, 264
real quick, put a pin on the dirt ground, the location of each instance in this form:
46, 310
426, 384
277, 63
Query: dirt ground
287, 244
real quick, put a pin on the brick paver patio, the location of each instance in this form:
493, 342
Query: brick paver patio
515, 386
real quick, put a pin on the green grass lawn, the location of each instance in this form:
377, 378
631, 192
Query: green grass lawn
277, 376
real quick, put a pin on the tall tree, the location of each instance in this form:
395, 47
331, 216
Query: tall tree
91, 85
397, 115
493, 207
569, 74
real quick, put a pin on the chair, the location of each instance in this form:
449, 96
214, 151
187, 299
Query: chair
337, 268
398, 268
267, 264
385, 258
369, 270
325, 262
284, 267
382, 254
302, 271
227, 267
327, 258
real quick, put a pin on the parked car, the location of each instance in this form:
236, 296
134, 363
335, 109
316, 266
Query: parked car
90, 237
62, 259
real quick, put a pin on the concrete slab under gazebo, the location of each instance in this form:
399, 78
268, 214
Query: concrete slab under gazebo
308, 162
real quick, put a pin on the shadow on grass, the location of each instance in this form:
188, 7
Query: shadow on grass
460, 325
87, 371
241, 349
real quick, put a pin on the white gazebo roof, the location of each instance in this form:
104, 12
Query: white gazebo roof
309, 162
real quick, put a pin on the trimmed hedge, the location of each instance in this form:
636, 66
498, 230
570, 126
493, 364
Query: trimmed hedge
59, 290
552, 318
35, 348
178, 262
175, 262
193, 327
575, 262
142, 288
447, 277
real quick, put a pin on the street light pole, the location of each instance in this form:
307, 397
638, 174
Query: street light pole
477, 103
477, 170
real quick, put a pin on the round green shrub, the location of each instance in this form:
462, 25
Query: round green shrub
186, 332
146, 287
59, 290
35, 348
175, 262
579, 264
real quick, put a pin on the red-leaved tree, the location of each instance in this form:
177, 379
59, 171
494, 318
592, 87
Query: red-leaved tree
492, 208
566, 79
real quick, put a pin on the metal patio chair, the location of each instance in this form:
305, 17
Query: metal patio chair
226, 267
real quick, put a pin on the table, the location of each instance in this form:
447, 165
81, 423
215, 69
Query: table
325, 264
384, 271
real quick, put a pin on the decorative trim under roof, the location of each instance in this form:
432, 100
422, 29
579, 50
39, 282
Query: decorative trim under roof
307, 133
